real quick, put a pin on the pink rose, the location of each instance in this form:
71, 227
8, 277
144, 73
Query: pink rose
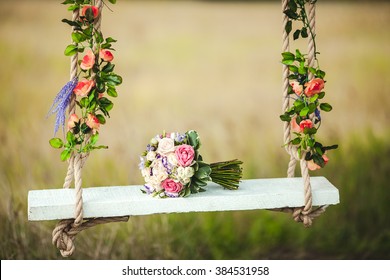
92, 122
171, 186
94, 9
314, 166
314, 86
84, 87
297, 88
305, 124
88, 60
185, 155
73, 120
106, 55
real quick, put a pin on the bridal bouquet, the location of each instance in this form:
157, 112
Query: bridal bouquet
172, 167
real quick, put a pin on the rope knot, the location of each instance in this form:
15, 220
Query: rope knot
63, 236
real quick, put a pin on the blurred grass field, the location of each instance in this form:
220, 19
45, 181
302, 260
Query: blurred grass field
213, 67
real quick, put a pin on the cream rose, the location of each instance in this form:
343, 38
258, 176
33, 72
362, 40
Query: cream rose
166, 146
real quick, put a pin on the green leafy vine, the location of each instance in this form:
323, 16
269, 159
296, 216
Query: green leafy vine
93, 86
306, 89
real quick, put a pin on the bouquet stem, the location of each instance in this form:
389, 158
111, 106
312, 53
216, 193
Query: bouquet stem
226, 173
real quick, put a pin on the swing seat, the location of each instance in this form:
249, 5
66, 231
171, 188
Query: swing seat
117, 201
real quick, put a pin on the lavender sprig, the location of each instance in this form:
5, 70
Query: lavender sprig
61, 102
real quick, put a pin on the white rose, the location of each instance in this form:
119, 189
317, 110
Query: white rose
145, 173
184, 174
172, 159
166, 146
155, 183
151, 155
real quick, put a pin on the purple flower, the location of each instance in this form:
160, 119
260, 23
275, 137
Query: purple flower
180, 137
318, 114
61, 102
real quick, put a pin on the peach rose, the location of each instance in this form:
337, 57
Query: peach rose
94, 9
297, 88
106, 55
314, 166
314, 86
294, 125
92, 122
88, 60
305, 124
171, 186
185, 155
84, 87
73, 120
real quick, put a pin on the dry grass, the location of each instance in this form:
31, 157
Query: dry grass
186, 65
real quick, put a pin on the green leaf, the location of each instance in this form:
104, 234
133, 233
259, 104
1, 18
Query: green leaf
65, 155
321, 95
296, 141
112, 1
310, 131
105, 104
94, 138
312, 108
288, 27
72, 23
73, 7
285, 118
293, 68
304, 32
56, 143
108, 68
101, 119
71, 138
114, 79
111, 91
193, 139
304, 111
288, 55
68, 2
320, 74
296, 34
299, 55
71, 50
288, 58
327, 148
110, 40
314, 98
326, 107
292, 5
291, 14
78, 37
84, 102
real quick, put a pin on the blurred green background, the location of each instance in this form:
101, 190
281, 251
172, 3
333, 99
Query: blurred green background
213, 67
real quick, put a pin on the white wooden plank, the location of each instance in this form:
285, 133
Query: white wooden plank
115, 201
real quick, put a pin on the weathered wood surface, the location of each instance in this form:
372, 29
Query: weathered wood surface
54, 204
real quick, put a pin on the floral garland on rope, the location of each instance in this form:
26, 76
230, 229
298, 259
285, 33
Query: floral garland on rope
95, 77
306, 84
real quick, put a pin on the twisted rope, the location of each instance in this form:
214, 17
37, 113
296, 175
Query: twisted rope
306, 213
66, 230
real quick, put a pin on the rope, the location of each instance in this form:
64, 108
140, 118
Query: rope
66, 230
306, 213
